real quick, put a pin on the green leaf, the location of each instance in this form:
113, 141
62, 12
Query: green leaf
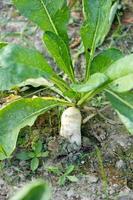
19, 114
62, 180
69, 169
59, 51
120, 74
126, 122
31, 154
3, 151
48, 15
122, 84
18, 64
61, 20
23, 155
37, 190
71, 94
96, 16
121, 67
37, 147
72, 178
97, 22
112, 14
37, 82
44, 154
54, 170
34, 164
123, 103
104, 59
95, 81
3, 44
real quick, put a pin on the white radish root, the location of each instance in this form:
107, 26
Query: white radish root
71, 125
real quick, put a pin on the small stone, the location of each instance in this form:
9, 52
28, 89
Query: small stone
22, 163
130, 182
112, 191
70, 193
125, 194
92, 179
120, 164
85, 198
1, 182
86, 142
126, 197
104, 196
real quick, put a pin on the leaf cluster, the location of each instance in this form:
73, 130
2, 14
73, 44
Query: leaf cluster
64, 175
34, 155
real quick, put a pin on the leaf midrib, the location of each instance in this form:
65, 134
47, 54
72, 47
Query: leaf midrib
125, 102
43, 109
49, 17
93, 45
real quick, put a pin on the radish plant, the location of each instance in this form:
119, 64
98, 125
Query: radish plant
108, 71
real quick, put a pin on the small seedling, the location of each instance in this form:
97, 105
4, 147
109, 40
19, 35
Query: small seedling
34, 155
64, 175
109, 70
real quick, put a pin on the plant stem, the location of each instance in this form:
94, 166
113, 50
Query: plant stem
60, 83
89, 63
93, 48
90, 95
102, 172
84, 98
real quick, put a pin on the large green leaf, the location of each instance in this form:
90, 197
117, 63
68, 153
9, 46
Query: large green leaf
59, 52
96, 15
120, 68
104, 59
19, 114
37, 190
3, 44
123, 103
17, 64
123, 84
97, 22
95, 81
117, 68
112, 14
48, 15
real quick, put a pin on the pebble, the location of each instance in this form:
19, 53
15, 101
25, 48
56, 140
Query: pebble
70, 193
82, 162
120, 164
1, 182
91, 179
125, 194
126, 197
86, 142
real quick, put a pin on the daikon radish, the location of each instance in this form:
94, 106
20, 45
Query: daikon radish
71, 125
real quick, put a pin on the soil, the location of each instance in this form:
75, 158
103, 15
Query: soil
104, 165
